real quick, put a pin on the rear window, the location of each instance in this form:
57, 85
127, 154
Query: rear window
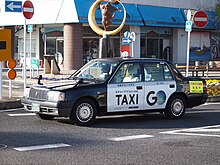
157, 72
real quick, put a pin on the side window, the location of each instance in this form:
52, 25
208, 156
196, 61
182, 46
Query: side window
128, 73
157, 72
167, 73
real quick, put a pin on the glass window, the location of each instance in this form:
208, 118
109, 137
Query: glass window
176, 72
128, 73
167, 73
157, 72
96, 70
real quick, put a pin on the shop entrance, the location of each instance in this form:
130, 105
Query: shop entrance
156, 43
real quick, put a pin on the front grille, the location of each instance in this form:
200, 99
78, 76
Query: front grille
39, 94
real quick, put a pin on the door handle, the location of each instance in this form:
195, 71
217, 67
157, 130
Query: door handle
139, 87
172, 86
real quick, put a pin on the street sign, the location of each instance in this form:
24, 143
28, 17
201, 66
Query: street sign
125, 51
188, 26
200, 19
5, 45
133, 36
126, 41
30, 28
28, 9
11, 72
13, 6
34, 63
127, 34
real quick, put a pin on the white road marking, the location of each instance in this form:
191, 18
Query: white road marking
21, 114
41, 147
11, 110
131, 137
215, 103
195, 131
203, 111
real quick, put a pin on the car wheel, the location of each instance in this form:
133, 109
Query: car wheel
84, 112
44, 117
176, 107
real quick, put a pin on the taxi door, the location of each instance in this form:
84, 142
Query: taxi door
125, 91
158, 85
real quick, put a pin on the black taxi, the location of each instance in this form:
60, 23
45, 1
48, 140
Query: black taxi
116, 86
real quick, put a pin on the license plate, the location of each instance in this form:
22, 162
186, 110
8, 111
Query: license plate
35, 107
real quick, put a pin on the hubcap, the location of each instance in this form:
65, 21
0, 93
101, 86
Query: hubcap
84, 112
177, 107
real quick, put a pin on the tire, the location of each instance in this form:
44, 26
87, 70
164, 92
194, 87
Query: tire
83, 112
176, 107
44, 117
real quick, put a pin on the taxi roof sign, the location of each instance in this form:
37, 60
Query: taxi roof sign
5, 45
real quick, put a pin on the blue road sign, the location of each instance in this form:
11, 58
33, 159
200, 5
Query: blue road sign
13, 6
188, 26
30, 28
126, 41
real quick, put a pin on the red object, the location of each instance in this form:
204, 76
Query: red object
125, 50
200, 19
28, 9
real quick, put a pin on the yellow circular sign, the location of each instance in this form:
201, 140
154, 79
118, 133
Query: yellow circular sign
95, 27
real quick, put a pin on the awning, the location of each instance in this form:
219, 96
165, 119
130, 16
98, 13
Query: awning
162, 16
213, 21
132, 18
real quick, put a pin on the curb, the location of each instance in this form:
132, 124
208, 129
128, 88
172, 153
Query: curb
213, 99
10, 104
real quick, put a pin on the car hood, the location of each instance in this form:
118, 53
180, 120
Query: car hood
58, 85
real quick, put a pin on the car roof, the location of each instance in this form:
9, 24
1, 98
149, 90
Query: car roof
119, 59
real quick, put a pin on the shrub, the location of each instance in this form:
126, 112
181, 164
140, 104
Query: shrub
213, 87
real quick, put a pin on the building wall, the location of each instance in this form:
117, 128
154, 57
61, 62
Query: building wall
192, 4
179, 46
136, 43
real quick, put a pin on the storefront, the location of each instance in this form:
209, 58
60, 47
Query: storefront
160, 33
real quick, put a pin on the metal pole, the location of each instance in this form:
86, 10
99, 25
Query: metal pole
187, 55
0, 80
189, 16
24, 66
45, 50
30, 55
132, 47
10, 88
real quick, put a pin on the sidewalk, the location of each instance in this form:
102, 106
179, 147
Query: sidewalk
14, 102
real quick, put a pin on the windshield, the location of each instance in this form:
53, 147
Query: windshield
98, 70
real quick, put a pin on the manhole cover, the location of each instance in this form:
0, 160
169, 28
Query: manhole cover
2, 146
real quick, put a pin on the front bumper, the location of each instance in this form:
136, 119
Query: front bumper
61, 108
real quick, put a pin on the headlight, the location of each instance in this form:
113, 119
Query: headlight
55, 96
26, 92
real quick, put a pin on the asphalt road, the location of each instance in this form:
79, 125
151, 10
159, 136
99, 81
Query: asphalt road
130, 139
